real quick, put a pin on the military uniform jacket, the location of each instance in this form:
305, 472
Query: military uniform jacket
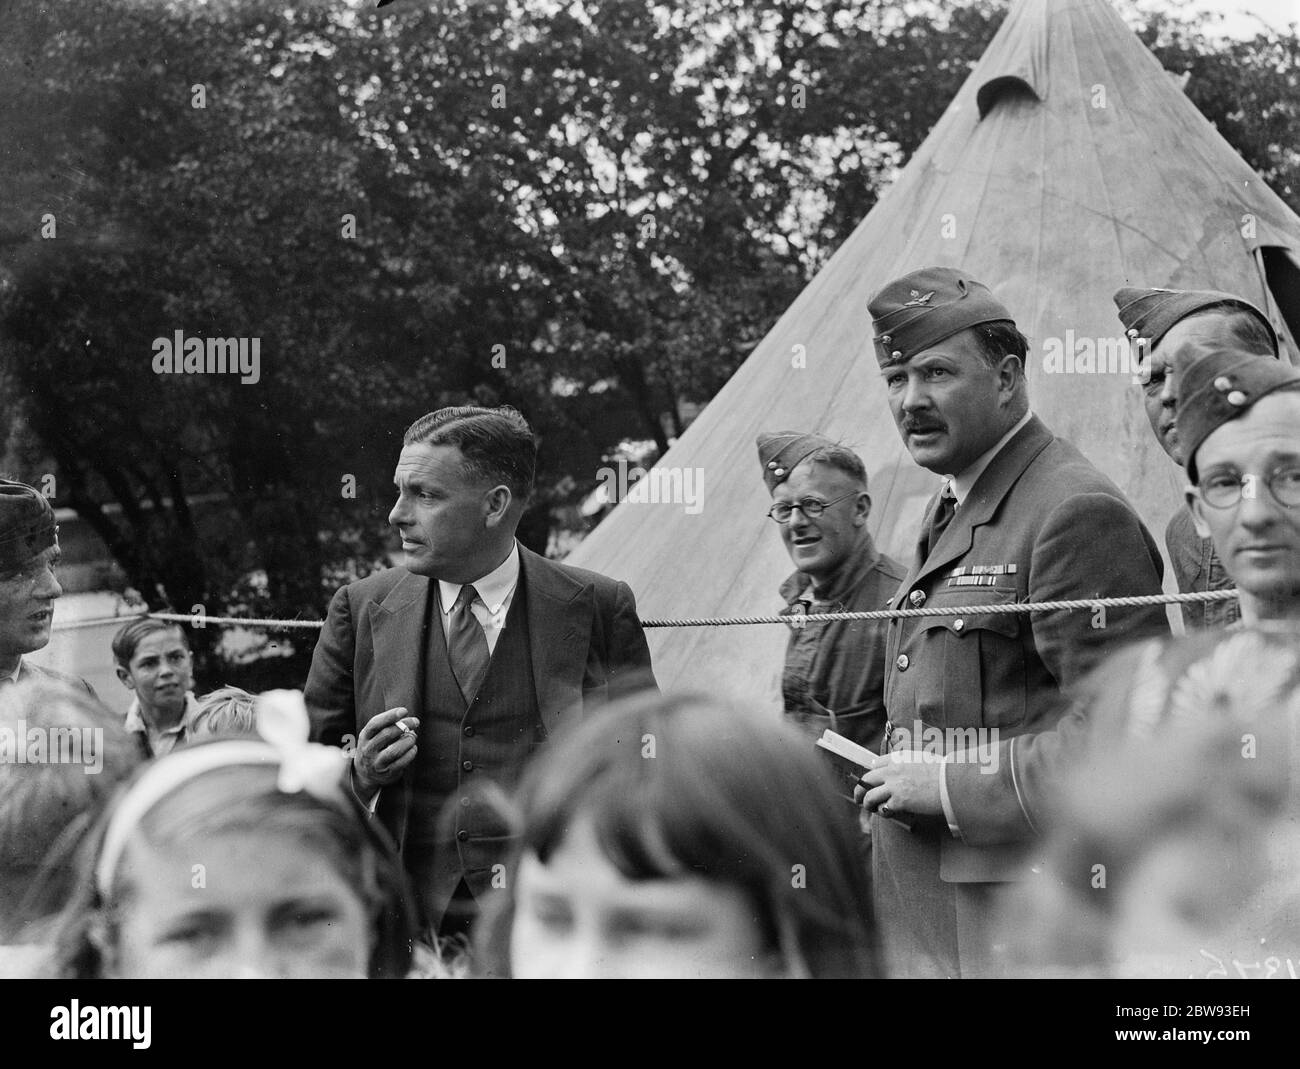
1040, 524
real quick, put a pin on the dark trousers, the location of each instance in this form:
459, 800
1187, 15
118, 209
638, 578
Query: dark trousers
460, 914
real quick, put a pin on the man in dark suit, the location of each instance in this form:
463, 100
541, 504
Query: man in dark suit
1022, 517
29, 556
450, 671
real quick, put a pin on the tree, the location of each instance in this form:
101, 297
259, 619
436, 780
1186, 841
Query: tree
592, 211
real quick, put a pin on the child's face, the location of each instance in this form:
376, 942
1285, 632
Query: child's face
161, 671
579, 917
239, 906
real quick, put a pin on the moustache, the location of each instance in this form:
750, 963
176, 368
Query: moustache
911, 426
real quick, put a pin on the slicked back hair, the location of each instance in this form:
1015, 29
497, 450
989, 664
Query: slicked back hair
131, 635
497, 444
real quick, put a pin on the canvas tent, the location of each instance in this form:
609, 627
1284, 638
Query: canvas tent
1069, 164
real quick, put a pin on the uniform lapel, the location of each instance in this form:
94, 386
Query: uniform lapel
560, 611
981, 504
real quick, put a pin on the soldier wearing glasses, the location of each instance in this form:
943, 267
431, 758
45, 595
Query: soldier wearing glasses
834, 672
1239, 421
1170, 322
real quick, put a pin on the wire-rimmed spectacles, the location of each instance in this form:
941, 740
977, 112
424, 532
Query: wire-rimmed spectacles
809, 506
1223, 490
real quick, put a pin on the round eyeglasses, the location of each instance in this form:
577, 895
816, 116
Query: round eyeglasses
809, 506
1224, 490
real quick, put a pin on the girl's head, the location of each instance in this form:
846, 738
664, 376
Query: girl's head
679, 837
239, 858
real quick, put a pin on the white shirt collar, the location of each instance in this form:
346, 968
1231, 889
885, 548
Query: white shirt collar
135, 719
965, 482
17, 668
493, 588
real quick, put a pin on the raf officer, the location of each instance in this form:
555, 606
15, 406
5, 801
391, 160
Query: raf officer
834, 672
1169, 322
1022, 516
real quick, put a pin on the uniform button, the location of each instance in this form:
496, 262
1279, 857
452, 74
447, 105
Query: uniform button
957, 625
917, 598
468, 766
464, 803
469, 730
462, 836
902, 662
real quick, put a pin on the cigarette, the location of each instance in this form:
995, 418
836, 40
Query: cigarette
405, 730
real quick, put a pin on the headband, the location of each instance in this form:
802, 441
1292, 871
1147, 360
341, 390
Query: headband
282, 721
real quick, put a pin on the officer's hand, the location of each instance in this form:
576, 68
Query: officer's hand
905, 781
384, 750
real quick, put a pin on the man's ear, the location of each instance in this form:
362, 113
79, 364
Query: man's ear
496, 504
125, 677
861, 508
1197, 507
1011, 372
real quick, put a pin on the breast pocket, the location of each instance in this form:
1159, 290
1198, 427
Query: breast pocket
979, 681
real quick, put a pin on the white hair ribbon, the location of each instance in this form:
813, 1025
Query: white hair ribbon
282, 722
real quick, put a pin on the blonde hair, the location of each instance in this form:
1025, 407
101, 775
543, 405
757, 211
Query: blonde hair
227, 711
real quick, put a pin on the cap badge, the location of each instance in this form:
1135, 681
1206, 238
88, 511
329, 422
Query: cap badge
918, 298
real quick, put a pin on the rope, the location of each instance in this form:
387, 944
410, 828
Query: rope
1089, 605
954, 610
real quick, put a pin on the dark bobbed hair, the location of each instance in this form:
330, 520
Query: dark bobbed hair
726, 796
129, 637
497, 444
47, 808
244, 799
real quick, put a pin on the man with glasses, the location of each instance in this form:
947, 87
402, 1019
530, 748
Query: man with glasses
834, 671
1168, 322
1239, 420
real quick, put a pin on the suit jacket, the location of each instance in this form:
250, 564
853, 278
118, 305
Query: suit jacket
587, 646
1040, 524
